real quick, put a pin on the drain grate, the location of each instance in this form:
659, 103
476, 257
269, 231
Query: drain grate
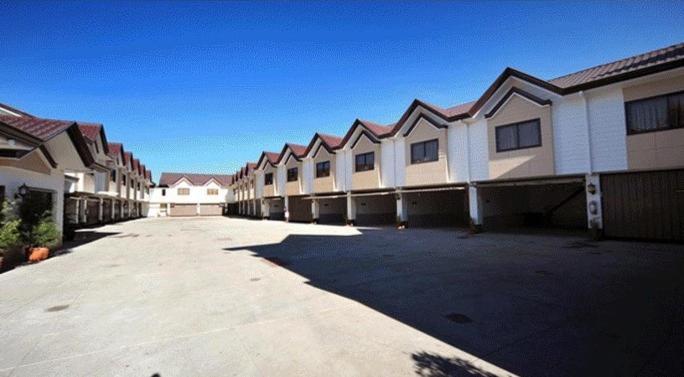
56, 308
543, 272
458, 318
254, 279
580, 245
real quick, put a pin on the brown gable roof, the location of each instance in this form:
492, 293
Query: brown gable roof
46, 129
16, 111
662, 56
329, 142
127, 157
297, 150
197, 179
115, 149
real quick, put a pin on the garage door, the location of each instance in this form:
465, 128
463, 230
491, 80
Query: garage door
184, 210
647, 205
300, 209
210, 210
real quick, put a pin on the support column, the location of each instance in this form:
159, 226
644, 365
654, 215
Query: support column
265, 209
112, 215
100, 211
286, 208
402, 210
83, 216
351, 210
315, 210
475, 208
594, 205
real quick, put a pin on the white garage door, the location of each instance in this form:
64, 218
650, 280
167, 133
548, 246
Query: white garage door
210, 210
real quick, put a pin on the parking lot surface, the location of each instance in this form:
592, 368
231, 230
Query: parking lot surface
219, 296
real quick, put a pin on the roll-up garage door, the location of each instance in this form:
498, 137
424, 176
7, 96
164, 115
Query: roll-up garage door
646, 205
300, 209
183, 210
210, 210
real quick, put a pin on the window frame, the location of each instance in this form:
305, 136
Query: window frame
517, 135
268, 182
186, 193
670, 126
365, 155
328, 169
163, 192
212, 192
296, 174
424, 144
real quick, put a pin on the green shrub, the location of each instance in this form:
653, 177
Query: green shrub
10, 236
45, 233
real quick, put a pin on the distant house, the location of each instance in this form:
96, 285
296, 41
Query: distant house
190, 194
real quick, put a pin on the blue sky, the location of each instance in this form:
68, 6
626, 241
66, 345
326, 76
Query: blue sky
206, 86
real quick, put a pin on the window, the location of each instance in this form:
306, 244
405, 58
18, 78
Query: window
365, 161
425, 151
163, 192
292, 174
123, 179
184, 191
323, 169
268, 179
518, 136
655, 114
212, 191
113, 175
97, 149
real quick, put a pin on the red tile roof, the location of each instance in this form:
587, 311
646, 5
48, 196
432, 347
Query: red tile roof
197, 179
16, 111
43, 129
297, 149
115, 149
272, 157
90, 130
127, 157
377, 129
633, 63
330, 140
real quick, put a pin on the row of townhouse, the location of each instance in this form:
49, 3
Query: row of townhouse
602, 148
71, 169
190, 194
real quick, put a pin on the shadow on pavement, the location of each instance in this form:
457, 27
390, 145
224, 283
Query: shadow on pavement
531, 305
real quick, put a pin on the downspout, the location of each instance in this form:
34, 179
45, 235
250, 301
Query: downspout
588, 129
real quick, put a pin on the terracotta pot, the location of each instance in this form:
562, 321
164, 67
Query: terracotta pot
37, 254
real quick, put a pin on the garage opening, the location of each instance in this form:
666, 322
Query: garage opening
276, 209
211, 209
378, 209
437, 208
645, 205
332, 210
180, 210
300, 209
550, 205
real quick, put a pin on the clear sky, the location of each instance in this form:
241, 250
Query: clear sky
206, 86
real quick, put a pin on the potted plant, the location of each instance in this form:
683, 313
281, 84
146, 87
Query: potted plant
44, 236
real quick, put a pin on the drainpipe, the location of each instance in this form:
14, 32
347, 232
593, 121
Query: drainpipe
588, 129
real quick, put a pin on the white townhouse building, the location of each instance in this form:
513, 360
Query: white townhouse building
602, 148
190, 194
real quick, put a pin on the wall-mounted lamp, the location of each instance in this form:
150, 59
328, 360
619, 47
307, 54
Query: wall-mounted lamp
22, 191
591, 188
593, 207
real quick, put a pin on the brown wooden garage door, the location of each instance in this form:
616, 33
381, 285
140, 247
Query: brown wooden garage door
300, 209
184, 210
210, 210
647, 205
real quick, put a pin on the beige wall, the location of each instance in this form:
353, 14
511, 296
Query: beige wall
660, 149
324, 184
427, 173
292, 188
367, 179
529, 162
31, 161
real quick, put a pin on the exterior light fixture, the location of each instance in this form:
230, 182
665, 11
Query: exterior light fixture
23, 190
591, 188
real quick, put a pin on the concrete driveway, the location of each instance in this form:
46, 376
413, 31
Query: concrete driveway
217, 296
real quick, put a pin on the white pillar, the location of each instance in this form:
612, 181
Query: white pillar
315, 210
351, 210
594, 205
402, 210
84, 211
286, 208
100, 214
265, 209
475, 208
